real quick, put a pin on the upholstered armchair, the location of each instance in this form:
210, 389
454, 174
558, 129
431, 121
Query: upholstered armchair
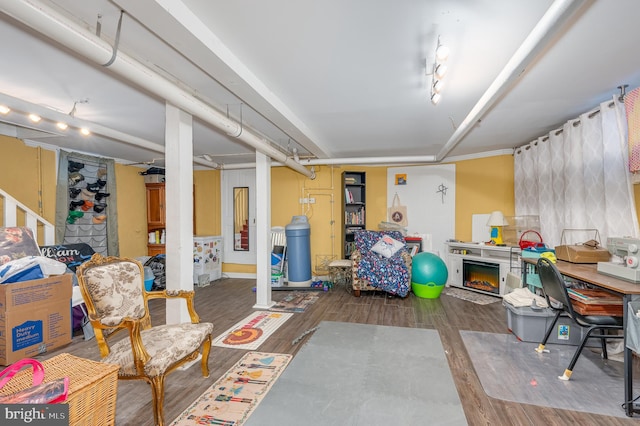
381, 265
113, 290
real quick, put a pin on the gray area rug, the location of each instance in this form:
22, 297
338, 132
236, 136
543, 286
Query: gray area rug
362, 374
512, 370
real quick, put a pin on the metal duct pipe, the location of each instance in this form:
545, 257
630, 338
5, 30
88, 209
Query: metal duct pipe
557, 14
416, 159
407, 159
48, 22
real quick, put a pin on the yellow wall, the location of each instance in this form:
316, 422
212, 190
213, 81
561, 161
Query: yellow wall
482, 185
27, 172
207, 202
132, 211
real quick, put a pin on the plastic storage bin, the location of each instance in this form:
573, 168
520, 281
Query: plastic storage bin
529, 325
148, 278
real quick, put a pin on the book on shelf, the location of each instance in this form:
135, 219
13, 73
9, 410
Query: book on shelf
354, 218
350, 180
348, 195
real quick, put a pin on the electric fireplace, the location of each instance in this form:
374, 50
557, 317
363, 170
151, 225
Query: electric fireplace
479, 275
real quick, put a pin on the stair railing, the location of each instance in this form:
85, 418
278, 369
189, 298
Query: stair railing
14, 213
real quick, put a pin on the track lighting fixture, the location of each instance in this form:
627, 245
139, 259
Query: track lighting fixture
437, 71
37, 119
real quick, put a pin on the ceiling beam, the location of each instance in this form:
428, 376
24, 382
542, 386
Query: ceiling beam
52, 24
179, 27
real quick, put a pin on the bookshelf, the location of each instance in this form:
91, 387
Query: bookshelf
353, 208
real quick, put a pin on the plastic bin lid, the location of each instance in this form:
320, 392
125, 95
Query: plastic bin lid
528, 310
298, 222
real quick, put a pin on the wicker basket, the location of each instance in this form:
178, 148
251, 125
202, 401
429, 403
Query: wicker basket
92, 387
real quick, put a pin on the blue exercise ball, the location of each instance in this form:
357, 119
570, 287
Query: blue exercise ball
428, 268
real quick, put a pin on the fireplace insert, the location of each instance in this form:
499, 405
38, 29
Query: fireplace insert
479, 275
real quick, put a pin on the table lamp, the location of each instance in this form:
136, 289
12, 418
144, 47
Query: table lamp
496, 222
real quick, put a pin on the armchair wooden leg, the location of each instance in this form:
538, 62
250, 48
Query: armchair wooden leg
206, 348
356, 293
157, 392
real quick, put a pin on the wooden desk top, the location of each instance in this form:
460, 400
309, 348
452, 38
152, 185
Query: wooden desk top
588, 273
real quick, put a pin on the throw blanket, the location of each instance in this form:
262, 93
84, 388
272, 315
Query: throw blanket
387, 274
524, 297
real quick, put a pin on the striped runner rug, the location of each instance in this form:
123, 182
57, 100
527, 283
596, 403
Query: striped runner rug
234, 396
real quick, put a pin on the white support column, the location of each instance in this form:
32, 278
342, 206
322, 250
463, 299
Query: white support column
263, 232
178, 209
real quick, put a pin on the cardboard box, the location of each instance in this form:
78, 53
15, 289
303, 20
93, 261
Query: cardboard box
154, 179
35, 317
579, 253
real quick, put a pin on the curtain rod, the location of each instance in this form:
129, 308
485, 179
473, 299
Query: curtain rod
576, 123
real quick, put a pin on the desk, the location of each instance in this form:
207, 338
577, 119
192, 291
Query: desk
588, 273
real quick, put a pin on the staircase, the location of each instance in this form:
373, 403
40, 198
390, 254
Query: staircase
244, 237
14, 213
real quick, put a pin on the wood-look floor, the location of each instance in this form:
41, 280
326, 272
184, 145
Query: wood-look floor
228, 301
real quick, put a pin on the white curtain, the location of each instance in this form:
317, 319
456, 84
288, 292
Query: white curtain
577, 178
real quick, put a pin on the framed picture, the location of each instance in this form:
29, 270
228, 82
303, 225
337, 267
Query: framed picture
401, 179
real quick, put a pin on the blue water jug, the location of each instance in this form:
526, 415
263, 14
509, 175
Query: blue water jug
298, 235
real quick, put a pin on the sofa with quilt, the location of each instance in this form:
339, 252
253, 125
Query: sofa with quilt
381, 262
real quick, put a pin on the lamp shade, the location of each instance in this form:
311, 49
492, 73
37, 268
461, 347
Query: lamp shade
497, 219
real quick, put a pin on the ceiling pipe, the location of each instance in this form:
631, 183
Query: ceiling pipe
419, 159
48, 22
553, 19
415, 159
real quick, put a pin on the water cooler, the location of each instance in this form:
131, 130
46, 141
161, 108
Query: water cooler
299, 252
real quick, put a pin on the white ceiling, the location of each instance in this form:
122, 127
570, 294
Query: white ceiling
332, 79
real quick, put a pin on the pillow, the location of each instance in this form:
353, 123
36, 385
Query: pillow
387, 246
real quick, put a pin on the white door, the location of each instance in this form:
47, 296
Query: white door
239, 215
428, 192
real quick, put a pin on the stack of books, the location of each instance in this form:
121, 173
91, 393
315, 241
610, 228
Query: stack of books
595, 302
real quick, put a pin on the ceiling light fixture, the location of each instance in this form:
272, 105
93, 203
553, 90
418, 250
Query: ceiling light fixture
62, 125
438, 71
207, 157
437, 86
35, 118
4, 110
85, 131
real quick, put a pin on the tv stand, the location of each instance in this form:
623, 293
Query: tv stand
481, 267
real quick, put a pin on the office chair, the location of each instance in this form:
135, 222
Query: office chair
555, 289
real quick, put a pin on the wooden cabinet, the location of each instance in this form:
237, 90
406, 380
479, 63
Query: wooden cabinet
155, 206
155, 214
353, 209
